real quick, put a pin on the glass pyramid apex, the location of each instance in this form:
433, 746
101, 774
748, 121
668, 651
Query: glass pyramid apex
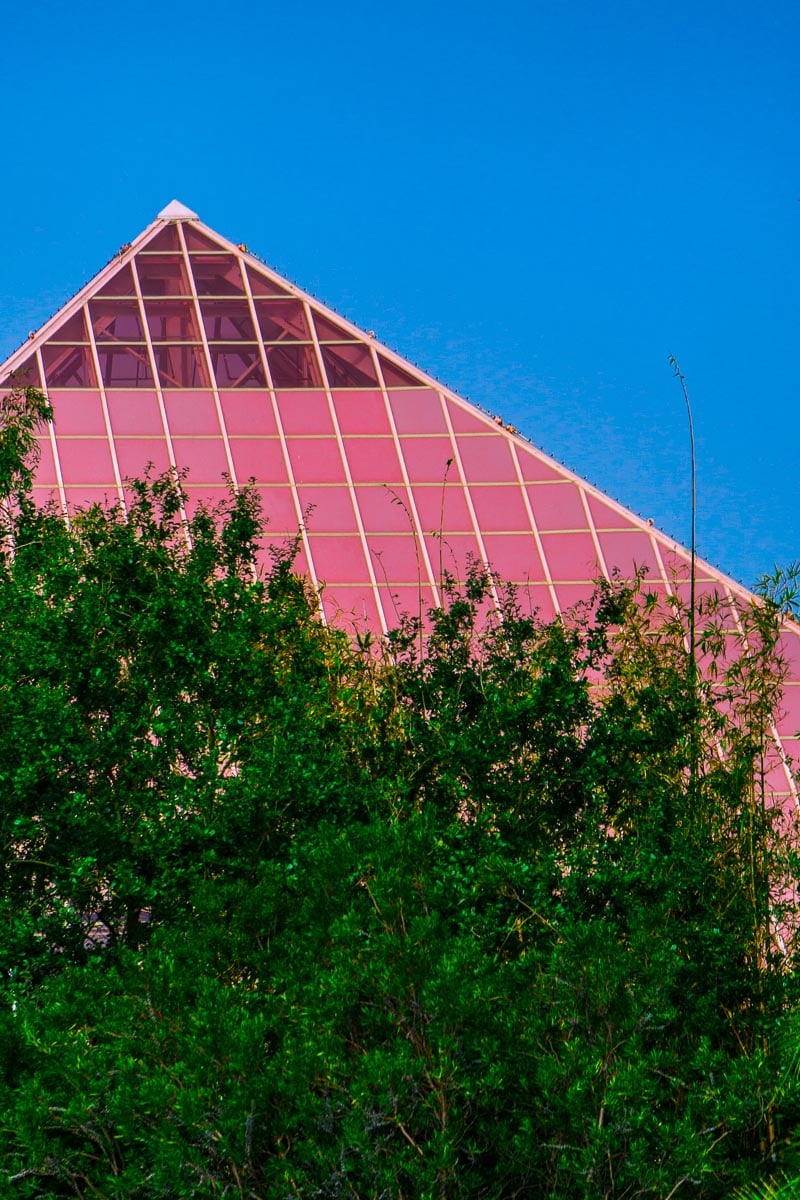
187, 351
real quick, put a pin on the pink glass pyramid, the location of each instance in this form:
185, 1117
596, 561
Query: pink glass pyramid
187, 351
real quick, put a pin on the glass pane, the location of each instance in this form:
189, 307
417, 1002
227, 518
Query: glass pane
293, 366
172, 320
261, 285
181, 366
195, 240
68, 366
328, 331
237, 366
124, 366
163, 275
166, 239
120, 284
25, 375
394, 376
116, 321
349, 366
282, 321
228, 320
217, 275
73, 330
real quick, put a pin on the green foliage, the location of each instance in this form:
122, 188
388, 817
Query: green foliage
284, 916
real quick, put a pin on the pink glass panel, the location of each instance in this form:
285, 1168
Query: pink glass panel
68, 366
406, 600
386, 510
43, 496
78, 413
351, 608
349, 365
195, 240
237, 366
86, 461
281, 544
46, 468
396, 377
535, 600
418, 412
228, 321
181, 366
451, 553
116, 321
500, 508
362, 412
373, 460
606, 517
277, 506
262, 285
282, 321
328, 509
443, 509
571, 557
134, 455
396, 558
172, 320
329, 331
305, 413
790, 708
627, 551
85, 497
248, 412
72, 330
514, 557
134, 413
557, 506
338, 558
120, 283
205, 458
294, 366
166, 239
486, 458
789, 650
163, 275
217, 275
534, 467
192, 413
25, 375
261, 460
464, 421
316, 460
124, 366
570, 594
426, 459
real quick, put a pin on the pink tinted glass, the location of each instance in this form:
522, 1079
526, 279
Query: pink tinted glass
195, 240
172, 320
349, 366
25, 375
181, 366
166, 239
217, 275
72, 330
120, 283
68, 366
396, 377
162, 275
124, 366
237, 366
116, 321
329, 331
260, 285
227, 321
293, 366
282, 320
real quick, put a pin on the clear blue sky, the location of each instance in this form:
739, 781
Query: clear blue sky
536, 202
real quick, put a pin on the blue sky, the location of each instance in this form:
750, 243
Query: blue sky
538, 203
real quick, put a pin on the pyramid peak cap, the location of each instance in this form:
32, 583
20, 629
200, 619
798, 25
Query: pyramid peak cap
175, 211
